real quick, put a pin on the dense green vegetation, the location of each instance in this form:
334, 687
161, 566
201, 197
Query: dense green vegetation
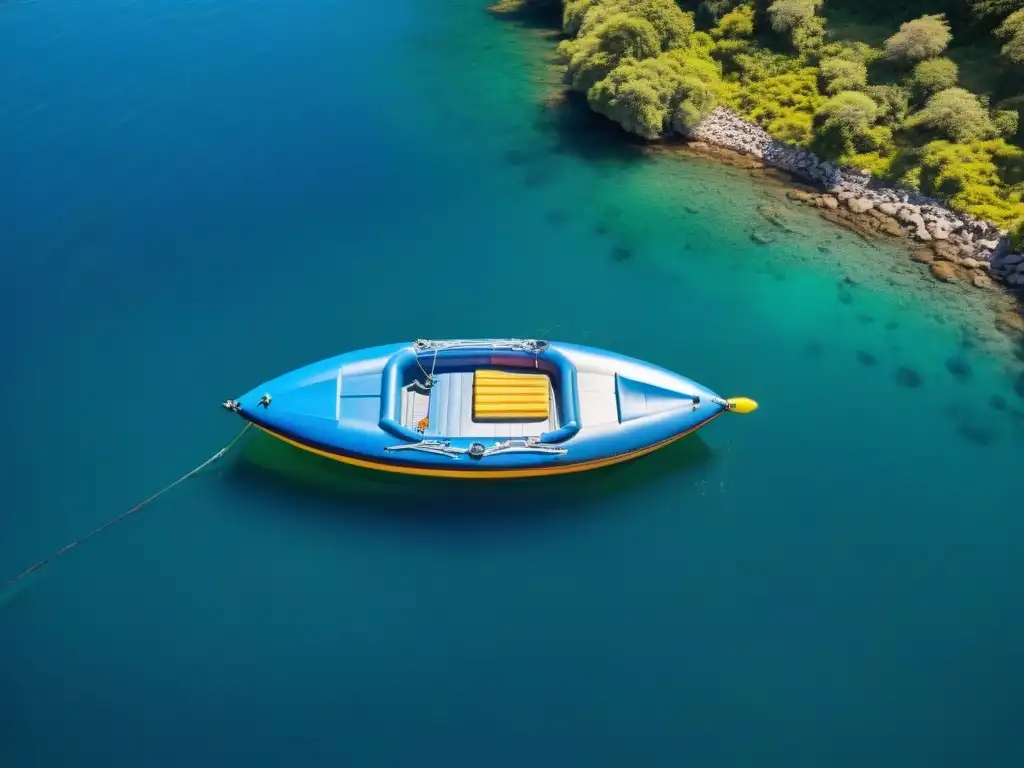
870, 84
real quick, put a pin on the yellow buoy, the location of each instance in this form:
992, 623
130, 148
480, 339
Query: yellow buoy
742, 404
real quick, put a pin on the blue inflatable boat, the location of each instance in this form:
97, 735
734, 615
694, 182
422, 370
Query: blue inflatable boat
482, 408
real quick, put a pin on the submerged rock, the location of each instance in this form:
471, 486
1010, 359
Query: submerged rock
621, 253
908, 377
958, 367
943, 270
979, 280
974, 433
1010, 322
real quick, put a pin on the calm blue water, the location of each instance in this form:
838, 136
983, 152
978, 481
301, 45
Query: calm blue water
199, 195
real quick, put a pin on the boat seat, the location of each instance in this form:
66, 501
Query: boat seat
503, 396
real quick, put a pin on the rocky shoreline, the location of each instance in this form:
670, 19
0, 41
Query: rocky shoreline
957, 246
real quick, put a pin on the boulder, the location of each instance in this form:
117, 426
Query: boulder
890, 226
859, 204
909, 216
889, 209
923, 255
1010, 322
943, 271
983, 281
945, 252
829, 202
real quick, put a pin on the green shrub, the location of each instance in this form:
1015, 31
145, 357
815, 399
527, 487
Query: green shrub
1017, 236
593, 55
673, 26
843, 75
648, 98
737, 23
920, 39
787, 15
849, 51
783, 104
798, 19
955, 114
761, 64
976, 177
934, 75
1012, 30
893, 103
850, 112
573, 13
1006, 122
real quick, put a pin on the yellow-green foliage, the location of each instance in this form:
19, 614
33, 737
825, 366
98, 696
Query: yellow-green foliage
671, 92
934, 75
850, 112
736, 24
849, 51
592, 56
920, 39
783, 104
1012, 31
843, 75
956, 114
984, 178
1017, 235
674, 28
873, 149
798, 18
573, 13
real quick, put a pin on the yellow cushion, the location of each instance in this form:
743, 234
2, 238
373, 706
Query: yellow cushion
498, 395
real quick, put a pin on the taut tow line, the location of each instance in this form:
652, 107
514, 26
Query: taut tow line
130, 512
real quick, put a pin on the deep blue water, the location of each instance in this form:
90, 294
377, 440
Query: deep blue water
196, 196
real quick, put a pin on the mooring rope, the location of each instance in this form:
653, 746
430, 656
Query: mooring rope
130, 512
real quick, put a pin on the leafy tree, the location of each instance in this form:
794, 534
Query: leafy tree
1012, 30
714, 10
592, 56
934, 75
919, 39
975, 177
799, 19
674, 27
995, 8
736, 24
955, 113
786, 15
1006, 122
893, 103
849, 112
573, 13
671, 92
843, 75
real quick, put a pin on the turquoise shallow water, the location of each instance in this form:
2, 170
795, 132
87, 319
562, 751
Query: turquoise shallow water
202, 195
